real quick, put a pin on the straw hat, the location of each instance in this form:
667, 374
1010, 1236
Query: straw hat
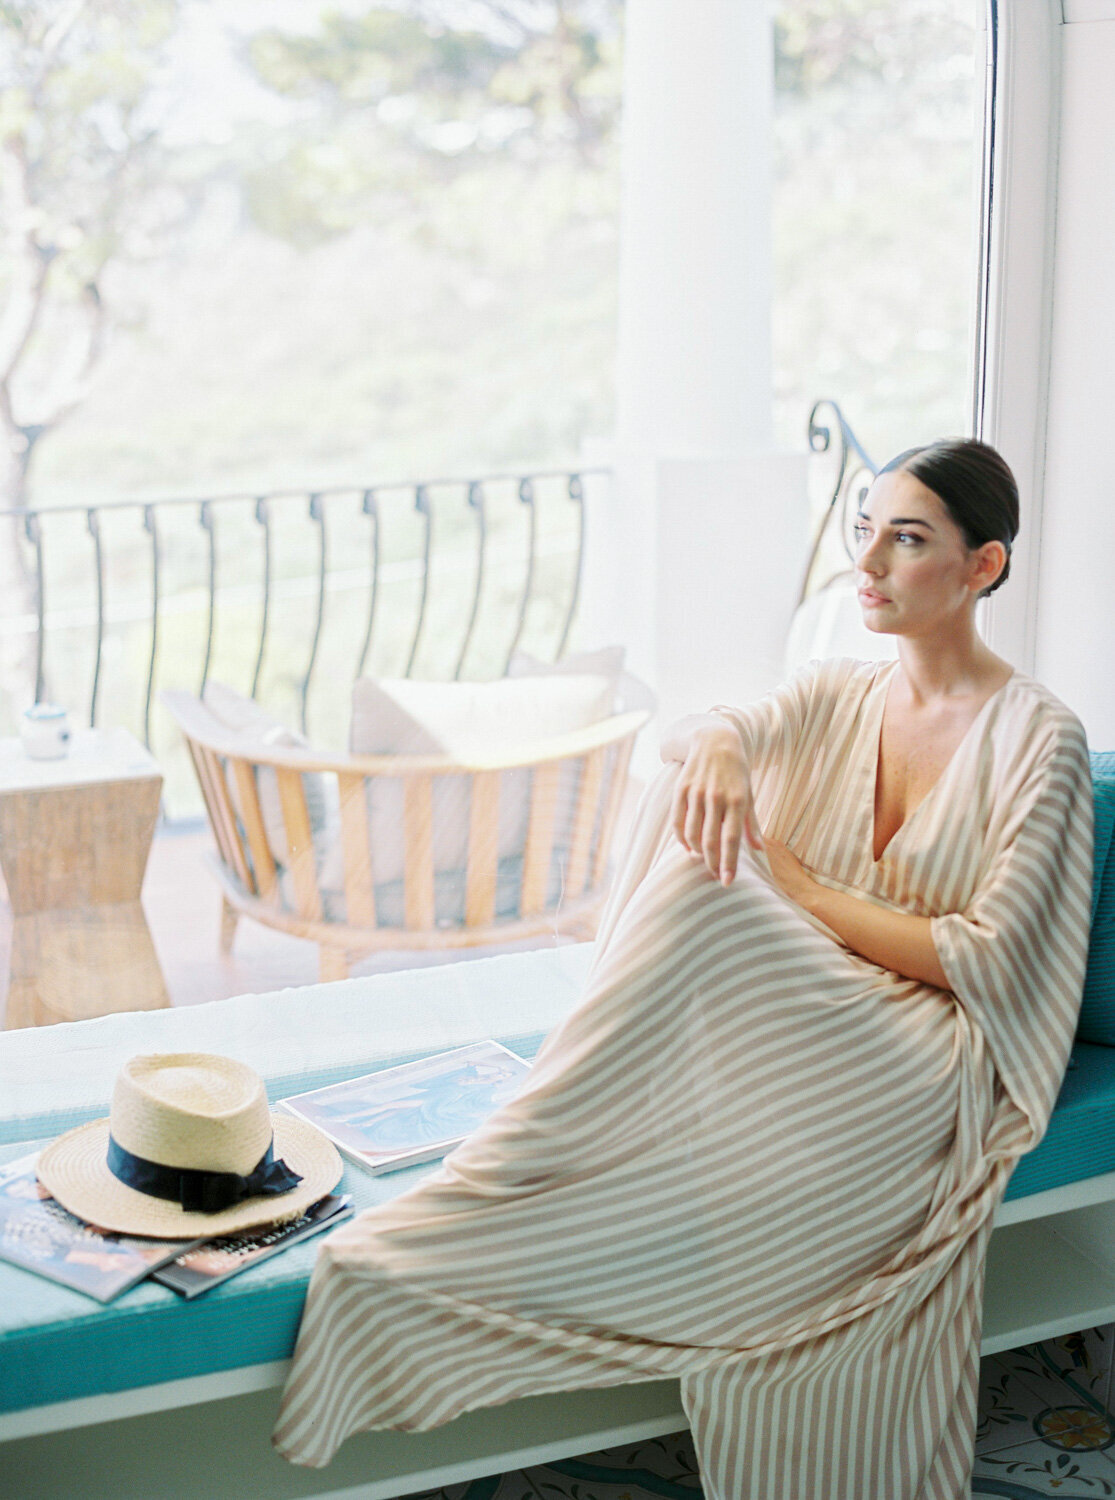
189, 1149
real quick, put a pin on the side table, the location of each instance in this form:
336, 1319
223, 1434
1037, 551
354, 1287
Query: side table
74, 839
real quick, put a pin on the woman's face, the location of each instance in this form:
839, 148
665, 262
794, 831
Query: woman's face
915, 573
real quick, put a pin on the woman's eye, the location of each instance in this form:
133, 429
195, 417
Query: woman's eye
908, 536
859, 531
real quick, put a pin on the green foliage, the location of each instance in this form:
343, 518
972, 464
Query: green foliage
77, 81
87, 185
837, 44
876, 169
364, 60
407, 102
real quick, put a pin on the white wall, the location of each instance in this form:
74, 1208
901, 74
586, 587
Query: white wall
1075, 653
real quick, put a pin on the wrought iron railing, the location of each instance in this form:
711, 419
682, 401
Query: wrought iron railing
844, 480
289, 593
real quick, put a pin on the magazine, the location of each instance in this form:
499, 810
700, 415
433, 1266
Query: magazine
37, 1233
214, 1261
417, 1111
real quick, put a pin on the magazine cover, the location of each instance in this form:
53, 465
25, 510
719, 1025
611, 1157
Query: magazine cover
214, 1261
417, 1111
38, 1234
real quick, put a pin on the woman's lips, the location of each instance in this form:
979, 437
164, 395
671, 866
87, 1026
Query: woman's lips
869, 596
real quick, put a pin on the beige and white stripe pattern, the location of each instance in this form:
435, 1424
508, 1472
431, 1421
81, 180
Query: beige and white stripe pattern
750, 1158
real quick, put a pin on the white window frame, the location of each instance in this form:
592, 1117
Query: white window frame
1014, 320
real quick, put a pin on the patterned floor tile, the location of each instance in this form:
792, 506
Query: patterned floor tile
1071, 1373
1044, 1430
1010, 1406
1084, 1358
1059, 1389
1035, 1469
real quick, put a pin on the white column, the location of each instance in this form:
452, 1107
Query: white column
694, 364
1075, 634
694, 554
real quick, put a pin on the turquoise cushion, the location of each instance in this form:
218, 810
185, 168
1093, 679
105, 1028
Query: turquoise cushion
56, 1344
1080, 1141
1097, 1011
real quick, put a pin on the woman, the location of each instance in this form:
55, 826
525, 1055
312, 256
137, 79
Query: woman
832, 1003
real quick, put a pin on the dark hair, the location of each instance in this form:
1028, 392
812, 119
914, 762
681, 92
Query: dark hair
974, 484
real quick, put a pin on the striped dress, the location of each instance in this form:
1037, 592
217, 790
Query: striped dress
750, 1158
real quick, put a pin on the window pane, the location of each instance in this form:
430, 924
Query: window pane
877, 149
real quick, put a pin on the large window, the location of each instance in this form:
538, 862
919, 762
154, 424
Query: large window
877, 136
308, 317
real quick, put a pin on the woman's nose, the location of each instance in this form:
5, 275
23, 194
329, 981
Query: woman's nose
868, 557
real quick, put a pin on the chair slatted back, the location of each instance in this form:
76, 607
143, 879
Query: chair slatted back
585, 819
251, 816
300, 842
223, 815
418, 855
540, 837
574, 803
483, 850
360, 901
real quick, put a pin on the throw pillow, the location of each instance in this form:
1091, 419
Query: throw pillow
467, 720
255, 729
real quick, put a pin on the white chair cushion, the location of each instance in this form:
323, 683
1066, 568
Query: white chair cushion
474, 719
465, 720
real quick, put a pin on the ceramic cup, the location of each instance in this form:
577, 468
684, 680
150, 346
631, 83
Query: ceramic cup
45, 731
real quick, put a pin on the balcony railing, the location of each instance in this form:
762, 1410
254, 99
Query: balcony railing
288, 595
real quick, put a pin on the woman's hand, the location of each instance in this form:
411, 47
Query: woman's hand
895, 940
789, 872
712, 809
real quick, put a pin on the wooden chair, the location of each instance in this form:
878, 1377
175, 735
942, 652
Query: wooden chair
588, 769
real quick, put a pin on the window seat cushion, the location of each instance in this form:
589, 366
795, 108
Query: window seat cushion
1080, 1140
57, 1345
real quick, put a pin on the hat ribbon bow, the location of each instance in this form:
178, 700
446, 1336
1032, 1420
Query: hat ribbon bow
197, 1191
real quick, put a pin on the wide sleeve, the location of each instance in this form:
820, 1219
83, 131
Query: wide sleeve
774, 728
1015, 955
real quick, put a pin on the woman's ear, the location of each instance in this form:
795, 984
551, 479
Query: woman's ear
988, 562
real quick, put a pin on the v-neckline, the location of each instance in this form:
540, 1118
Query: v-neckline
945, 769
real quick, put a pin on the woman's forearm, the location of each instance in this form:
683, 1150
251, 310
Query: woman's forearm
894, 940
677, 741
